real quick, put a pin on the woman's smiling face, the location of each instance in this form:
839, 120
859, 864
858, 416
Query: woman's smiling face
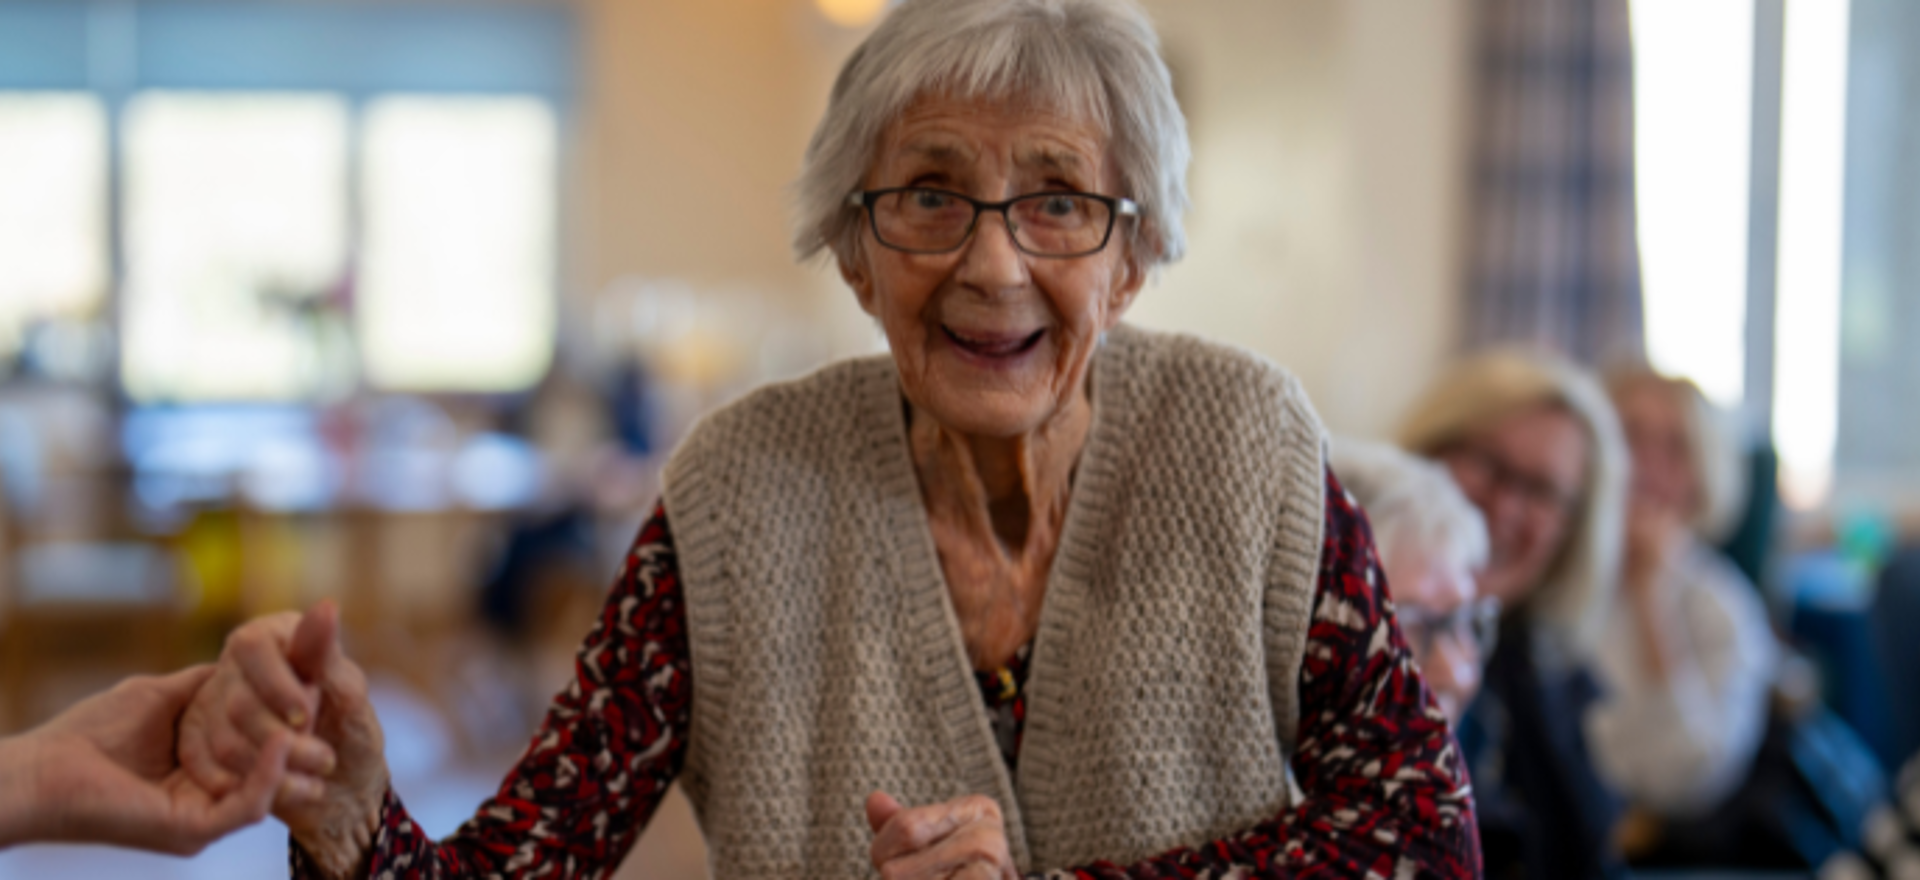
989, 340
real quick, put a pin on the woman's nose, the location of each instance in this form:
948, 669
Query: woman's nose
1509, 518
991, 262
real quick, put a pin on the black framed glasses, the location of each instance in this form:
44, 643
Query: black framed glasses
923, 220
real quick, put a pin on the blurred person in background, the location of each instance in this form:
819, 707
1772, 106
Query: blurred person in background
551, 544
1534, 443
1431, 542
104, 771
828, 630
1688, 656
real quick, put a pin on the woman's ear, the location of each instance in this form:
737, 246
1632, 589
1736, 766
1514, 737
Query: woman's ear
853, 269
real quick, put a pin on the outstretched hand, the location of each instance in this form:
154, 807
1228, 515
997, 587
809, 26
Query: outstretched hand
104, 772
962, 839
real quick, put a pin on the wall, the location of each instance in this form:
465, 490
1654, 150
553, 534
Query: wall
1327, 185
1326, 182
693, 121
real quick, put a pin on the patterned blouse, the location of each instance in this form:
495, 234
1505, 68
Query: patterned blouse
1386, 794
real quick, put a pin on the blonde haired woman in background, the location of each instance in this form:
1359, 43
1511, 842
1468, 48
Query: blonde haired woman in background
1533, 442
1688, 656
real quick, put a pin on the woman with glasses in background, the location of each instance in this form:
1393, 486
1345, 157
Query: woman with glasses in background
1432, 542
1533, 442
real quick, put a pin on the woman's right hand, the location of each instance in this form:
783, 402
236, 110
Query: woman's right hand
288, 671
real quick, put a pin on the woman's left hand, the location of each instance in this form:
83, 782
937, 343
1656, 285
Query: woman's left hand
962, 839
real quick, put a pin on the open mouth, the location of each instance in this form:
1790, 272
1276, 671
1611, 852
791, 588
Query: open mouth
994, 345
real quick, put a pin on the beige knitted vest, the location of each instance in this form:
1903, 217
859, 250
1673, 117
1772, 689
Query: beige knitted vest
827, 661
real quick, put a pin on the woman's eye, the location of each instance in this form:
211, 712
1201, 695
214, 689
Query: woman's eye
1060, 206
931, 201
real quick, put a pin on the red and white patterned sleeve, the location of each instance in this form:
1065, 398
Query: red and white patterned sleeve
610, 746
1386, 789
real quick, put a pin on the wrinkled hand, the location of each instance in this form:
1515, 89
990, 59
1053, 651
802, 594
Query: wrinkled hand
104, 772
287, 673
962, 839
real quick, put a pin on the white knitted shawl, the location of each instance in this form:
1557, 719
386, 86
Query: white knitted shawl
827, 662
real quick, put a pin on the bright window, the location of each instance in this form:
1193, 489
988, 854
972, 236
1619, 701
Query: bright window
53, 209
1693, 97
236, 235
457, 265
1813, 132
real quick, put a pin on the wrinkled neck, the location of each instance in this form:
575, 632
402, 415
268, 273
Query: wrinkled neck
1013, 482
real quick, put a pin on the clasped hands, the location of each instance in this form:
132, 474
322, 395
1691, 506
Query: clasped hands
284, 676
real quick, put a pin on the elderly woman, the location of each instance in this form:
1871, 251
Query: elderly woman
1688, 656
1432, 542
1533, 442
1034, 593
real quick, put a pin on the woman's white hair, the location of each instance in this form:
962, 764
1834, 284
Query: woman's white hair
1412, 503
1097, 60
1577, 591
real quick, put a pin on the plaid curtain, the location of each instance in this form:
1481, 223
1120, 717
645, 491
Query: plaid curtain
1554, 261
